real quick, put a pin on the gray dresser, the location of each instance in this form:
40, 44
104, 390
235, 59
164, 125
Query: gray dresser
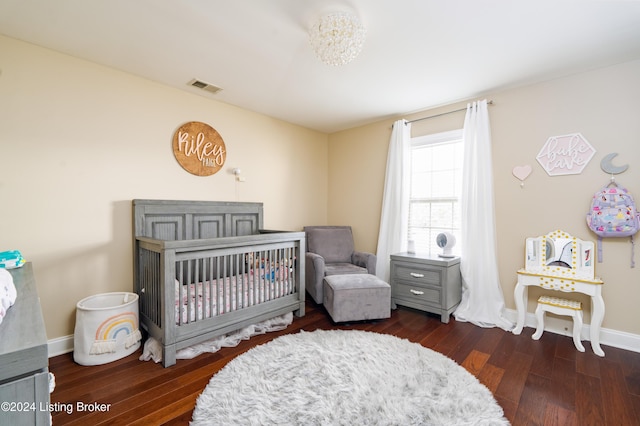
24, 366
429, 283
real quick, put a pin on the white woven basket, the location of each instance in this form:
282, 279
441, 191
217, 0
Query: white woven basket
106, 328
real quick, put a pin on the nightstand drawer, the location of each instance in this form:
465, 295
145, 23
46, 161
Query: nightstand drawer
420, 276
417, 294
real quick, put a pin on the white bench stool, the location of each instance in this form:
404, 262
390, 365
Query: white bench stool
559, 306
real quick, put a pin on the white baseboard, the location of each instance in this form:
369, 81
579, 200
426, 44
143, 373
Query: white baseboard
60, 345
609, 337
562, 326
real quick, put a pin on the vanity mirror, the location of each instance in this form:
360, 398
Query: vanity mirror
559, 254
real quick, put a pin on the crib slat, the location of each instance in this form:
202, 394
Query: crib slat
219, 288
238, 284
212, 287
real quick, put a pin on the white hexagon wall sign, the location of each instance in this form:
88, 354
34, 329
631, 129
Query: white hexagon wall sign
565, 155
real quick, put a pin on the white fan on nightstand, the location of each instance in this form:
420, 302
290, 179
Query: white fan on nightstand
446, 241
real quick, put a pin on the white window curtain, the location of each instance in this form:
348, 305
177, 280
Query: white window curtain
482, 299
394, 218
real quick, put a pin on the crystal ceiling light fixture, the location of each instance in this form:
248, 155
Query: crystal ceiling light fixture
337, 38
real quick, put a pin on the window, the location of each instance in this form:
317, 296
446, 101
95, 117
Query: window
436, 184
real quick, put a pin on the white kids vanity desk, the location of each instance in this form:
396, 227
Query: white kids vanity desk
557, 261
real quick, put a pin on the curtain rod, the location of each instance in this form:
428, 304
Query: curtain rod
444, 113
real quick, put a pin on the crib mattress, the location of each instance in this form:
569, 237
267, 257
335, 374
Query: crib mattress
207, 299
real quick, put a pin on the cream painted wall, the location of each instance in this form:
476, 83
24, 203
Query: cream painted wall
79, 141
601, 104
356, 177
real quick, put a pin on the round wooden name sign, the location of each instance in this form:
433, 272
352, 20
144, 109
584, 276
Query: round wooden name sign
199, 148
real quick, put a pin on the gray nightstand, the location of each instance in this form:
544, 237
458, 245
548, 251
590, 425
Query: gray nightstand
429, 283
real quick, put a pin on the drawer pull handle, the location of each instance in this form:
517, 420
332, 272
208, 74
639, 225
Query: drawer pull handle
416, 275
418, 292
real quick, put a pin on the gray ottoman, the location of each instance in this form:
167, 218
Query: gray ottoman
356, 297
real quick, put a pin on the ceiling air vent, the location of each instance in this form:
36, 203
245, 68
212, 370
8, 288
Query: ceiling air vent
205, 86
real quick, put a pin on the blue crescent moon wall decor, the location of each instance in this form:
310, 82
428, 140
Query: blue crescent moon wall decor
607, 166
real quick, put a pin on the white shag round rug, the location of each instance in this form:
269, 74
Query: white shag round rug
345, 377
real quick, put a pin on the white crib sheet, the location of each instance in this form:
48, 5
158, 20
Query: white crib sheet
205, 299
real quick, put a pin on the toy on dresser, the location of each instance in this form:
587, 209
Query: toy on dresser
11, 259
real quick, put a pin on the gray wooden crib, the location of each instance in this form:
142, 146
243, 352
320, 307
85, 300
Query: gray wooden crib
206, 268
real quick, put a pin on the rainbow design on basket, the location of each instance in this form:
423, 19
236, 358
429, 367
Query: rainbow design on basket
108, 331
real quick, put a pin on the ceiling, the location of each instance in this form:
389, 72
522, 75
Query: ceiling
418, 54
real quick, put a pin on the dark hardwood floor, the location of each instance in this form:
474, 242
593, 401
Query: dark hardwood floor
545, 382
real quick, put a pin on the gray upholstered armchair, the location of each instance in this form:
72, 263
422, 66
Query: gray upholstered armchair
330, 251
